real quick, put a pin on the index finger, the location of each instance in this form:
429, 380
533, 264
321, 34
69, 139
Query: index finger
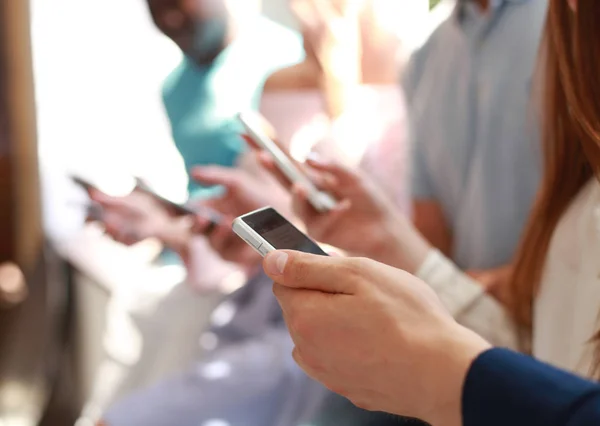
267, 162
297, 270
216, 175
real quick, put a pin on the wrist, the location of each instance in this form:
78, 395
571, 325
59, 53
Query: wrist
460, 348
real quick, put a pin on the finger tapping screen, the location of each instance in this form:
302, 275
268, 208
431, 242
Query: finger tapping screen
280, 233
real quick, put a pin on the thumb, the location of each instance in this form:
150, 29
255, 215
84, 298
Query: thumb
299, 270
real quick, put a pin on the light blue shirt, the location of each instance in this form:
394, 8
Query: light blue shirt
475, 147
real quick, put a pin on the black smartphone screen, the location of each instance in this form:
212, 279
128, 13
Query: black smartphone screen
280, 233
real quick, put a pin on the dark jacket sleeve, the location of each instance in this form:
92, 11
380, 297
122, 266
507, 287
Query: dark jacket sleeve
504, 388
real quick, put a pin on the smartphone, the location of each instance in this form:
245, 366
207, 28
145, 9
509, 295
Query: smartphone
180, 209
94, 211
266, 230
83, 183
320, 200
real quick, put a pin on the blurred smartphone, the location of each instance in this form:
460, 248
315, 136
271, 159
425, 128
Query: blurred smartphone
179, 209
266, 230
87, 186
320, 200
94, 211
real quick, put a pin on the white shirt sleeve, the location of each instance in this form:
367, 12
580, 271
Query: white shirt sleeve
467, 301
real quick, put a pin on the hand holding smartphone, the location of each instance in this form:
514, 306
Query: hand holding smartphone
266, 230
320, 200
179, 210
213, 217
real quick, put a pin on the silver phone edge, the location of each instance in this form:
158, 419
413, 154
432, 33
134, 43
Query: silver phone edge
287, 167
249, 235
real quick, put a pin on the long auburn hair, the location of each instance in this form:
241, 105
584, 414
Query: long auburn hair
570, 94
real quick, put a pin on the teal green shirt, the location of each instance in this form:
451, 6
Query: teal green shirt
202, 101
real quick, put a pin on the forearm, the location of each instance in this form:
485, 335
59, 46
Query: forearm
338, 92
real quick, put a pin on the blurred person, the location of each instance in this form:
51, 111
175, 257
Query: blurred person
475, 163
205, 92
201, 97
281, 395
556, 322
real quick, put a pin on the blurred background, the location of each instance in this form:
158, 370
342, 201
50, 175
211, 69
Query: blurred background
80, 94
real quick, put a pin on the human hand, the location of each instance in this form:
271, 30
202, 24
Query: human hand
265, 160
225, 242
365, 222
243, 193
134, 217
495, 282
332, 36
374, 334
363, 210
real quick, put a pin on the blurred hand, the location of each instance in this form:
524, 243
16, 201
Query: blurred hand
243, 193
332, 36
225, 242
495, 281
134, 217
266, 161
374, 334
365, 222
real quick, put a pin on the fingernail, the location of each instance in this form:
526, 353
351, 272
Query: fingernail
275, 263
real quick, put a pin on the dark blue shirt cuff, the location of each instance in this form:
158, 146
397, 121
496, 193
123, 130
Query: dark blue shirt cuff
505, 388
